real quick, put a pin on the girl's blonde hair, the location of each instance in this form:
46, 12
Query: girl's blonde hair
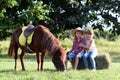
90, 31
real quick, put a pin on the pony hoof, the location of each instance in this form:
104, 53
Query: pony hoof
23, 69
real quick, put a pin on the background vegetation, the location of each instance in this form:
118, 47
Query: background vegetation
103, 45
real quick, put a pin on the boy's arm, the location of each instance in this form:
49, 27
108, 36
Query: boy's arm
84, 46
80, 52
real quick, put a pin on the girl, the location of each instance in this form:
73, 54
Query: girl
91, 50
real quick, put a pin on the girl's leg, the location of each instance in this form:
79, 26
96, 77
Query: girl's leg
85, 56
92, 55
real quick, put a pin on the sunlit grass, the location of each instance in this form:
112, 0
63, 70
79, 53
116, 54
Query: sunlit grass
7, 72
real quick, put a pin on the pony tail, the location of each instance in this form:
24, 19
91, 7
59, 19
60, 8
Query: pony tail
11, 48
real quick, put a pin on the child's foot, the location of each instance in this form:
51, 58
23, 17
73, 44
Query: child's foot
93, 69
69, 59
86, 69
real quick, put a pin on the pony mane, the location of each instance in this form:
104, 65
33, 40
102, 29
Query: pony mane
49, 41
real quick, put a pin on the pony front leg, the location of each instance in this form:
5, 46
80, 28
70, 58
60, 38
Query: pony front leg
16, 57
38, 60
22, 60
42, 61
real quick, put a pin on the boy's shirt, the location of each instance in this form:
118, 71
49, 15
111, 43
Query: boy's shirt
75, 46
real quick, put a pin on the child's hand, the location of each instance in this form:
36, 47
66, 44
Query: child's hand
73, 51
80, 45
77, 55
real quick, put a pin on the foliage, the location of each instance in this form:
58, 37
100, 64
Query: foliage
17, 13
108, 35
67, 14
24, 12
60, 15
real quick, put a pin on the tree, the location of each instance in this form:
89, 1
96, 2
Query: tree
16, 13
68, 14
59, 15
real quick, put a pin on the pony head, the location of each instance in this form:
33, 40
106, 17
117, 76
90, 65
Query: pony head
59, 59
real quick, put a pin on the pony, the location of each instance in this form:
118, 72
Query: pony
43, 42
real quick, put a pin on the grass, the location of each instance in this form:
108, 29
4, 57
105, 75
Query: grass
7, 65
7, 72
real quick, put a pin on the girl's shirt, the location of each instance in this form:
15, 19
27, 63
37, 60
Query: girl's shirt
91, 44
76, 47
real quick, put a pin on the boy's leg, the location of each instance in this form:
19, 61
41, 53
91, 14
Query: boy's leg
70, 56
76, 62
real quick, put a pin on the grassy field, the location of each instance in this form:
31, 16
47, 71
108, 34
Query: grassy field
7, 72
7, 66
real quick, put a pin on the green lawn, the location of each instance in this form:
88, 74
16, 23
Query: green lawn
7, 71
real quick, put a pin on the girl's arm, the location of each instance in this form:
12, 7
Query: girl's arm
89, 46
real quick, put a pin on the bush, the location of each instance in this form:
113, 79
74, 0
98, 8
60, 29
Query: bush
106, 35
4, 46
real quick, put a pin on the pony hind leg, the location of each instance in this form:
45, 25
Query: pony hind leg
16, 57
22, 60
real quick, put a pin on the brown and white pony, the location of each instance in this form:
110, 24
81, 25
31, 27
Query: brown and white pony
43, 42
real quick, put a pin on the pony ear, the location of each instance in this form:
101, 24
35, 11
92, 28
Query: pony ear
65, 48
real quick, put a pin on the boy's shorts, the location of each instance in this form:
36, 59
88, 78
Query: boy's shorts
70, 55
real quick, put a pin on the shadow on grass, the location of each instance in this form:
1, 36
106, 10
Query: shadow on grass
115, 56
4, 71
116, 59
4, 56
27, 57
20, 71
